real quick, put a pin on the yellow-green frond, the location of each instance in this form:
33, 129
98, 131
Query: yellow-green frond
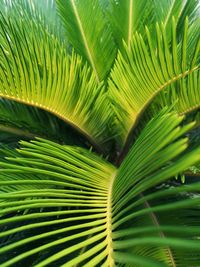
144, 71
68, 206
36, 70
89, 33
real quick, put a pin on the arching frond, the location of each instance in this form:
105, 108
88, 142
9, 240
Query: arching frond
78, 198
36, 70
89, 34
146, 70
183, 97
28, 122
184, 94
83, 212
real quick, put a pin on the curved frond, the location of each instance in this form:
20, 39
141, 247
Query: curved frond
89, 34
36, 70
79, 183
145, 70
17, 118
146, 166
184, 94
85, 211
28, 122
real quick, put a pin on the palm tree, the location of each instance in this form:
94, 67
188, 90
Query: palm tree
104, 96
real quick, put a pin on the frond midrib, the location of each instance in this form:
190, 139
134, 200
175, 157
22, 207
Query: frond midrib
141, 111
157, 224
130, 24
169, 13
110, 259
85, 41
73, 123
191, 109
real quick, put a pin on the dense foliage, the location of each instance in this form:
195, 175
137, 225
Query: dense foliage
99, 123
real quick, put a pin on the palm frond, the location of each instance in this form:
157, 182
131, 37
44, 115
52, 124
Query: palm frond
22, 122
145, 70
127, 17
180, 217
89, 34
36, 70
184, 93
132, 208
165, 10
8, 139
79, 194
43, 12
83, 212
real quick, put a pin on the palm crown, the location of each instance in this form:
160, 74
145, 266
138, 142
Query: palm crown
108, 91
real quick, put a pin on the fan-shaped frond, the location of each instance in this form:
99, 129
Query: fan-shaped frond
84, 211
145, 70
79, 197
131, 208
42, 12
89, 33
36, 70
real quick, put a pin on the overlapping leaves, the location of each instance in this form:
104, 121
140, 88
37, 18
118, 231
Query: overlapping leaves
27, 122
63, 205
89, 33
127, 17
36, 70
145, 70
72, 207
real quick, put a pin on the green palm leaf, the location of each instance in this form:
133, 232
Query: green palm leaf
63, 205
42, 12
89, 34
27, 122
165, 10
95, 207
184, 93
127, 16
36, 70
144, 71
